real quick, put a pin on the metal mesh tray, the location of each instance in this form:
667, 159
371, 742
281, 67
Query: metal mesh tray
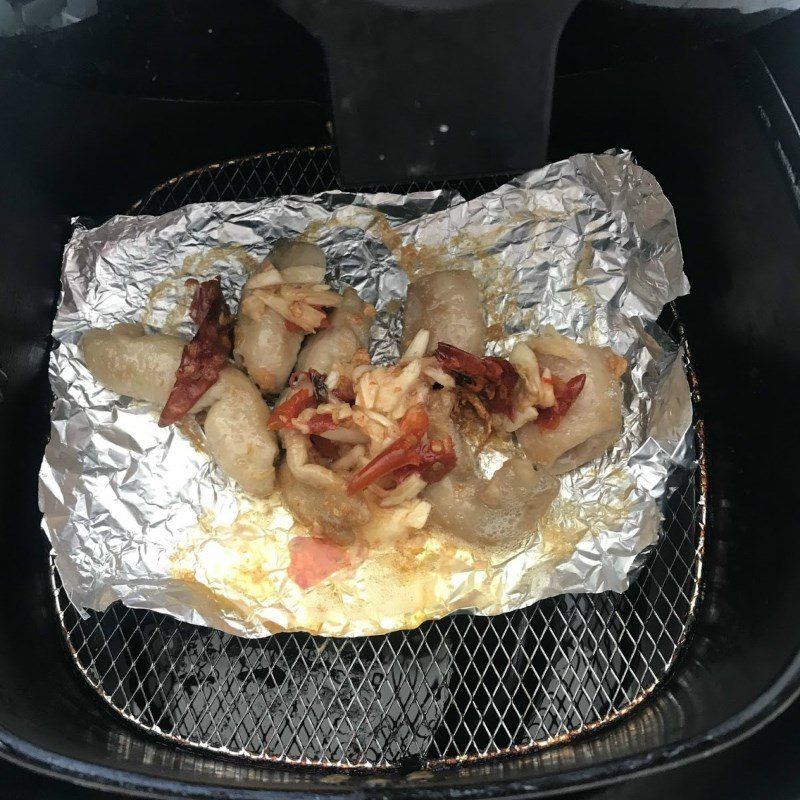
459, 689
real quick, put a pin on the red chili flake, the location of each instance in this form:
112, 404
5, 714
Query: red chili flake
566, 393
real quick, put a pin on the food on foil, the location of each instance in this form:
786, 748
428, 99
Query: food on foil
358, 449
281, 302
448, 304
345, 333
143, 366
371, 450
204, 358
504, 507
585, 416
147, 514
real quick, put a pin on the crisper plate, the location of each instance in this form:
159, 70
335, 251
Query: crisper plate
457, 689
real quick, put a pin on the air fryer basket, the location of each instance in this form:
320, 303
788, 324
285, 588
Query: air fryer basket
458, 689
719, 136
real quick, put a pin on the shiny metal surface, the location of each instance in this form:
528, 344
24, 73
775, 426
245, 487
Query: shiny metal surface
141, 514
457, 689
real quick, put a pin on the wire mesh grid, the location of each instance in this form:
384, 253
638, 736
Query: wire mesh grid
457, 689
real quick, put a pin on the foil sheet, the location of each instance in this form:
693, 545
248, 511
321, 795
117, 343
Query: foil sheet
140, 514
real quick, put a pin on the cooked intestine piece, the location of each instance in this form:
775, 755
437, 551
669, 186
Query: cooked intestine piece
593, 422
288, 253
503, 508
377, 450
237, 434
303, 467
327, 510
129, 362
347, 332
267, 341
266, 349
448, 304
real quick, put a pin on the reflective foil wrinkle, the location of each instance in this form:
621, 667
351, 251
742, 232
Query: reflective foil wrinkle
140, 514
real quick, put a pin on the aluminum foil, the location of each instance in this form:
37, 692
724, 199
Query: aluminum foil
140, 514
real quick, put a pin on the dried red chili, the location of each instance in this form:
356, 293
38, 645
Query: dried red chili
498, 396
400, 453
492, 379
204, 358
565, 393
284, 413
471, 372
435, 459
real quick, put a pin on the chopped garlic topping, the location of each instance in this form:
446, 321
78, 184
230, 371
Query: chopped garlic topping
350, 459
346, 436
438, 375
381, 431
547, 397
360, 370
379, 418
417, 347
299, 303
417, 515
391, 391
405, 491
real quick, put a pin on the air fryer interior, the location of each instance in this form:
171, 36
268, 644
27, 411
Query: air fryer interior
698, 123
462, 689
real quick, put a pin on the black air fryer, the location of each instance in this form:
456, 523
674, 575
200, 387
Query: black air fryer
112, 107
